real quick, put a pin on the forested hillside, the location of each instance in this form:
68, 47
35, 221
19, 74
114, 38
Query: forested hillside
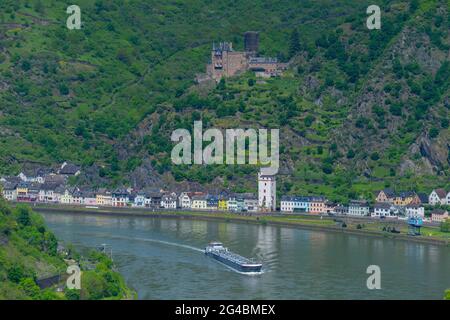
28, 252
358, 109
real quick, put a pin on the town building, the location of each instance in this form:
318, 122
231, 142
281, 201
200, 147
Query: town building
439, 215
120, 198
240, 204
415, 211
103, 198
386, 196
341, 210
330, 207
89, 198
223, 202
250, 202
66, 197
232, 204
169, 201
405, 198
77, 197
69, 169
31, 178
155, 200
267, 188
33, 192
199, 202
358, 208
423, 198
212, 202
22, 191
382, 209
184, 200
9, 191
287, 204
294, 204
438, 197
316, 205
139, 199
58, 192
402, 198
47, 193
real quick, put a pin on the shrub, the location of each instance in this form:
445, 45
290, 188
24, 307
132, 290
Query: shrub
375, 156
447, 294
350, 154
445, 225
434, 132
30, 288
72, 294
16, 273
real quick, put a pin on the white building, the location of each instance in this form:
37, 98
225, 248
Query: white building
89, 199
169, 202
358, 208
78, 198
382, 209
139, 200
199, 203
232, 204
267, 188
120, 198
414, 210
37, 179
287, 204
66, 197
438, 197
47, 193
9, 191
184, 200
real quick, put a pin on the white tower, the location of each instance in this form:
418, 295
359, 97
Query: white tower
267, 189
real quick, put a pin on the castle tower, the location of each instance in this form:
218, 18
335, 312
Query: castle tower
267, 189
251, 42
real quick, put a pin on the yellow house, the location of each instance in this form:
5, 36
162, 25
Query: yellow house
405, 198
103, 198
22, 191
223, 204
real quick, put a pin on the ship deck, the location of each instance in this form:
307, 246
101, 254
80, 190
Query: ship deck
234, 257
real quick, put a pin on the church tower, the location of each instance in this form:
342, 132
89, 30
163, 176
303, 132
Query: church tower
267, 189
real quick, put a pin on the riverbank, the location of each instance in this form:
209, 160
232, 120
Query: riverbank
357, 226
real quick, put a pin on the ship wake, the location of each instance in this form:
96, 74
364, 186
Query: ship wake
161, 242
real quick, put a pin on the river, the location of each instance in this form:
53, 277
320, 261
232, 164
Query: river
162, 259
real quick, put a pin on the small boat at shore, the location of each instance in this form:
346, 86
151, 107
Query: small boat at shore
217, 251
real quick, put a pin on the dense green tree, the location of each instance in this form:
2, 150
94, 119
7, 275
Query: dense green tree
30, 288
23, 216
445, 225
294, 43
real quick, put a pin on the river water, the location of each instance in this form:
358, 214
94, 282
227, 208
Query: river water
163, 259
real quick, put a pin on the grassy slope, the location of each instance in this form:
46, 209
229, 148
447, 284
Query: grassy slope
134, 63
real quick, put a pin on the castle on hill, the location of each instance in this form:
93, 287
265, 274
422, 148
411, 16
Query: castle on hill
225, 62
